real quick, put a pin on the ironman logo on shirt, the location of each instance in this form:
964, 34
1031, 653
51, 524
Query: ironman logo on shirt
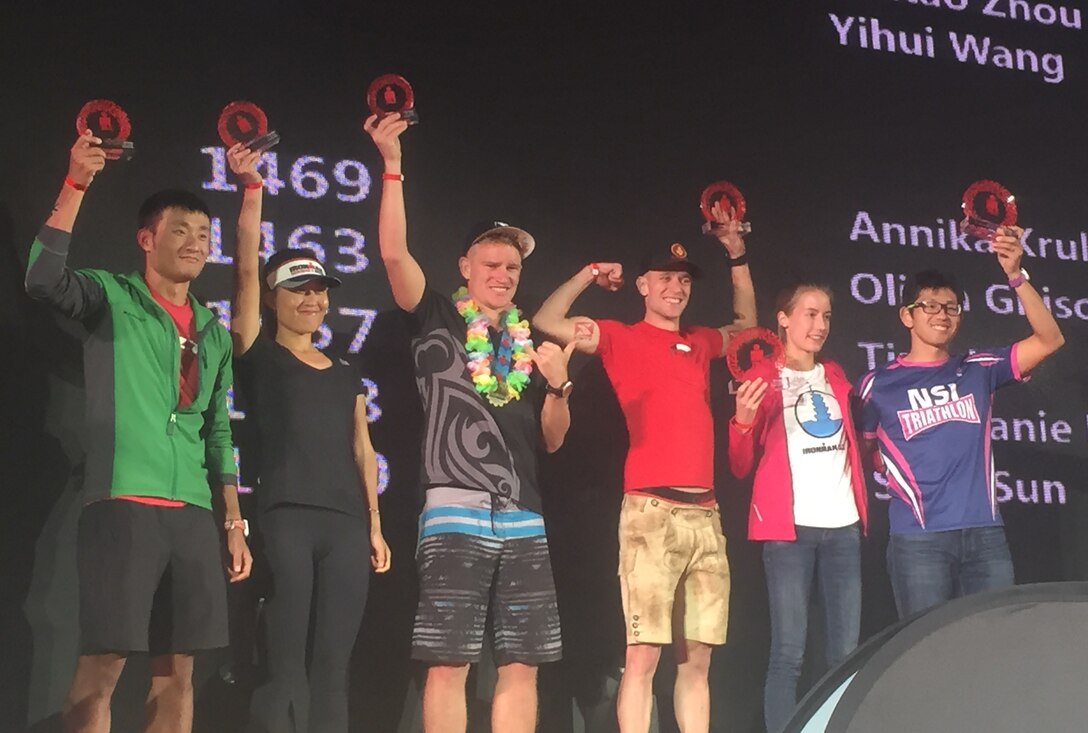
818, 414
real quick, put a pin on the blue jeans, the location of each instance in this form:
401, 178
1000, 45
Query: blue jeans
930, 568
832, 557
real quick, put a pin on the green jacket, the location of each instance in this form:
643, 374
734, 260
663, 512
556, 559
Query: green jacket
138, 442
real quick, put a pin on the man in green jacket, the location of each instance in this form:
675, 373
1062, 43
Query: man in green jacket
157, 369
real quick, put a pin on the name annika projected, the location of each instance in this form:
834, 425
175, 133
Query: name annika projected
341, 248
883, 289
312, 177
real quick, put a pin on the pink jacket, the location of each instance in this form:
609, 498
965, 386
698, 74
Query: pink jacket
770, 516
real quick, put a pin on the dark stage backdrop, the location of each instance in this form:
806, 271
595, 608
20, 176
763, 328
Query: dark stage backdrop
852, 128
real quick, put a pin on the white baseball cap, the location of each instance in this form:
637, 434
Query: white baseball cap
298, 270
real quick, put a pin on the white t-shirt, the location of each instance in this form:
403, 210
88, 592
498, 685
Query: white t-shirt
816, 438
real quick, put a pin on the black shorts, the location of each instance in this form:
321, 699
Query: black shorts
467, 581
151, 578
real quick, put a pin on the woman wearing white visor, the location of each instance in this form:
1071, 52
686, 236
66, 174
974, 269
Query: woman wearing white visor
317, 492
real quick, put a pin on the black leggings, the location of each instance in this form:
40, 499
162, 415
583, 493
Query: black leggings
320, 556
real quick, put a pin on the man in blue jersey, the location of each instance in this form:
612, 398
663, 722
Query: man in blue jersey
929, 413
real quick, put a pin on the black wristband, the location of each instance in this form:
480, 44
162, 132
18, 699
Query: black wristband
738, 261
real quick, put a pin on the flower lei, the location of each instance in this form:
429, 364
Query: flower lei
498, 377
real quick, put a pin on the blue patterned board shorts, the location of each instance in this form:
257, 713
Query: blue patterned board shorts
482, 567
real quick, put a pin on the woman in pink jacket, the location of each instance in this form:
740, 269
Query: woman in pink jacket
808, 497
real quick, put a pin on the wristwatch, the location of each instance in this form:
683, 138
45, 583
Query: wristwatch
236, 524
562, 391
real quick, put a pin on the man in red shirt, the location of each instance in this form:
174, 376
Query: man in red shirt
673, 569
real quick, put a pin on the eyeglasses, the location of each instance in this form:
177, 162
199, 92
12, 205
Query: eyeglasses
932, 308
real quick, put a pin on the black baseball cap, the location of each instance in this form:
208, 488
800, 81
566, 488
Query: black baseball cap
669, 258
500, 229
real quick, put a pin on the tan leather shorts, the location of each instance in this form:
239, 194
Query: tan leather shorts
674, 575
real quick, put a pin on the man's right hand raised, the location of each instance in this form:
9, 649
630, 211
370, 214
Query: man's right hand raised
386, 134
244, 162
406, 278
86, 159
608, 275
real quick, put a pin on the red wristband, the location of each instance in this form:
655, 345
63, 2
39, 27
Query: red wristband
77, 186
253, 185
593, 269
743, 427
393, 177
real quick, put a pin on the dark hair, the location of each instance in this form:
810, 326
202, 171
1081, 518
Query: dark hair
269, 324
928, 280
152, 208
787, 299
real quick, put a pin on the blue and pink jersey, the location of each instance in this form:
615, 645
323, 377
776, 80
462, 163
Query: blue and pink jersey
931, 422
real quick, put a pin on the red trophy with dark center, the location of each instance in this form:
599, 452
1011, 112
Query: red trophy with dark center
750, 348
245, 122
106, 120
987, 207
391, 94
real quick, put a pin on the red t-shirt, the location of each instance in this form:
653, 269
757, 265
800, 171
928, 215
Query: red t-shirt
182, 315
662, 380
188, 378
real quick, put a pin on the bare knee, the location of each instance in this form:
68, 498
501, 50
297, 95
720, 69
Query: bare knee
97, 675
92, 687
693, 657
447, 675
642, 660
517, 674
172, 673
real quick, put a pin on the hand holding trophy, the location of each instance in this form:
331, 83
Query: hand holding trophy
391, 94
723, 207
749, 349
85, 160
246, 123
109, 126
988, 207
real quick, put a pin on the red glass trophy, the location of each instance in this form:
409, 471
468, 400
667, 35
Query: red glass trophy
392, 94
107, 121
730, 201
987, 207
750, 348
245, 122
